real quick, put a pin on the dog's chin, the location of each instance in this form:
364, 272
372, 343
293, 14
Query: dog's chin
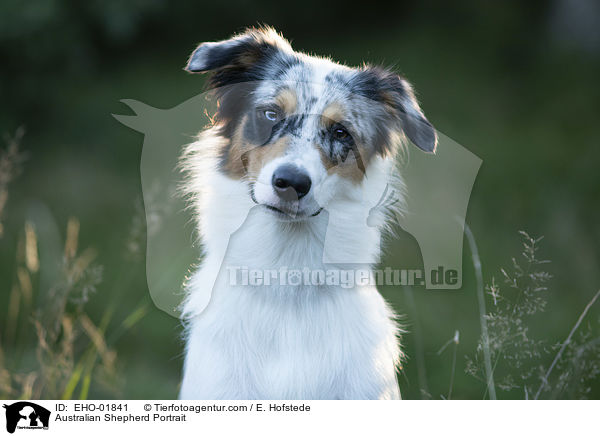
289, 215
288, 211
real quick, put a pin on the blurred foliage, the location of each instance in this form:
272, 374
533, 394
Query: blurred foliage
514, 82
70, 349
519, 359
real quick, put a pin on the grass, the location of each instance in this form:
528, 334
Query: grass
518, 356
72, 351
454, 340
513, 357
485, 339
545, 380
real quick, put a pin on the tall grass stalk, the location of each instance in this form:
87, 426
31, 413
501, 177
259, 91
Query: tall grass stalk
482, 314
454, 340
564, 345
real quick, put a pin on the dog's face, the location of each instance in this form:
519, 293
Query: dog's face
299, 129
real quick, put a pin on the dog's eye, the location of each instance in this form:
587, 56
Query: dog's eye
340, 133
271, 115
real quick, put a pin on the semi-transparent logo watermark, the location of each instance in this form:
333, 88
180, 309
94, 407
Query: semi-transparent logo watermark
433, 196
344, 278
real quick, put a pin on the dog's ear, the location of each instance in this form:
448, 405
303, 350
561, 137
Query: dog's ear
397, 95
236, 60
414, 124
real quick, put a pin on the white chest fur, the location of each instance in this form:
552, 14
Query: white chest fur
283, 342
287, 342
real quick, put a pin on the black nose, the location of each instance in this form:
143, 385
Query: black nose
290, 182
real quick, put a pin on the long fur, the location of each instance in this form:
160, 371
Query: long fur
283, 341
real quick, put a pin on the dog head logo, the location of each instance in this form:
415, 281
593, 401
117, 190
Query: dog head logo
301, 144
26, 415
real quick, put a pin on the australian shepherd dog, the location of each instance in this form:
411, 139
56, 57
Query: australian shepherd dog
284, 179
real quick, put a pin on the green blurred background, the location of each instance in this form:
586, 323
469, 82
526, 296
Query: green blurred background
514, 82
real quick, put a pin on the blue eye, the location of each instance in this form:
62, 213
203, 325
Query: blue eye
271, 115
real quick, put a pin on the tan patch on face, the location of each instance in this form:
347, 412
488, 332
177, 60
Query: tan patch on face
287, 101
244, 159
257, 157
333, 113
234, 160
353, 168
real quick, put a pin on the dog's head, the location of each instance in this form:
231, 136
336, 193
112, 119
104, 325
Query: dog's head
301, 129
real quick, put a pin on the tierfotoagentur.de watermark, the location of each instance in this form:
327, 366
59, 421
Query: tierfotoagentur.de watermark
345, 278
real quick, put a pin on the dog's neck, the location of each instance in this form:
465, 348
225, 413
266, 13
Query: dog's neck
328, 238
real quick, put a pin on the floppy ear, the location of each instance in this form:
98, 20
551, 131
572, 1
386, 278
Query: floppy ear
400, 102
236, 60
414, 124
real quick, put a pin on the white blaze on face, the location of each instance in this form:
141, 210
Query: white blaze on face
303, 156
